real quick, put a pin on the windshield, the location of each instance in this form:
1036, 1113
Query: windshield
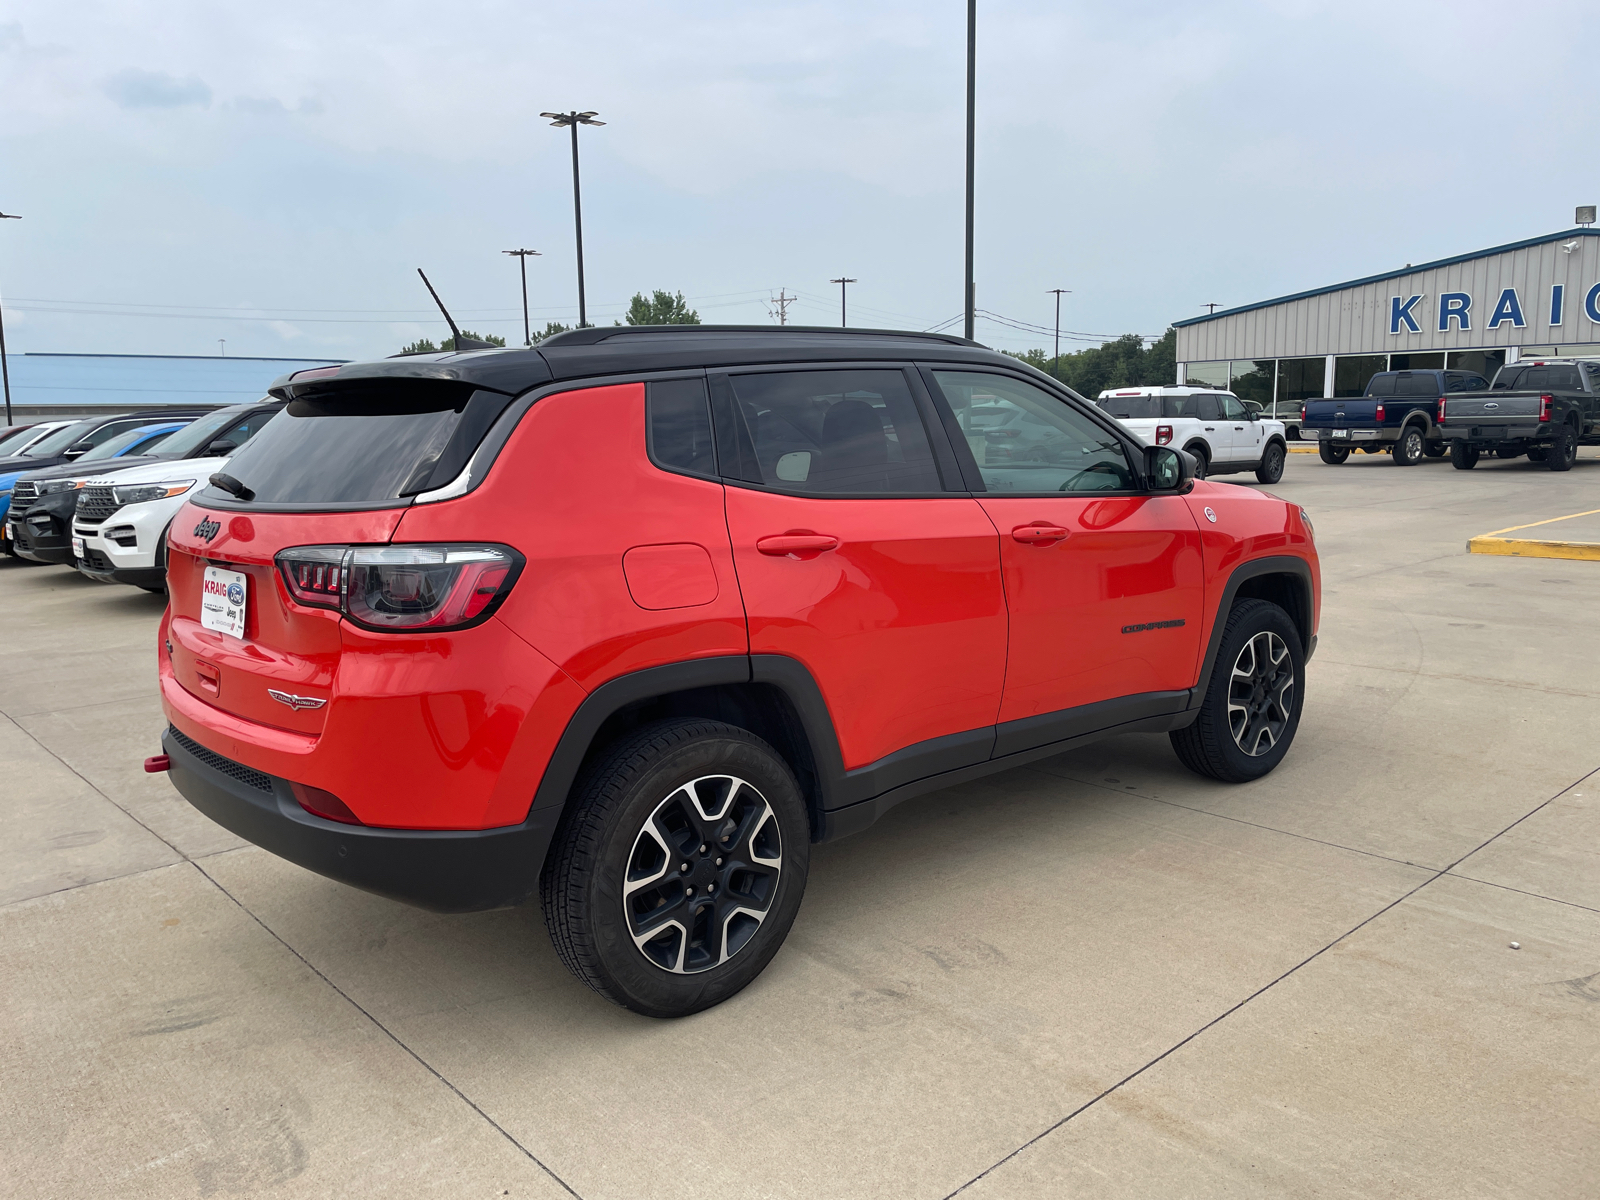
60, 440
114, 447
10, 443
201, 433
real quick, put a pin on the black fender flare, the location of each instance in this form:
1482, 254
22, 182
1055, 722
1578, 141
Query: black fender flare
1281, 564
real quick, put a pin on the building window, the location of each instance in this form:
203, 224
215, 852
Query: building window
1300, 379
1253, 381
1482, 362
1417, 362
1207, 374
1352, 371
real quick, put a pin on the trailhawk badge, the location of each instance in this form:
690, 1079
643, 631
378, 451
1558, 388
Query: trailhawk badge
293, 701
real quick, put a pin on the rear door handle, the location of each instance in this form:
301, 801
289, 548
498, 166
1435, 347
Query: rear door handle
1039, 533
796, 542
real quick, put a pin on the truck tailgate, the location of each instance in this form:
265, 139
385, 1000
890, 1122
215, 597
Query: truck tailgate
1357, 410
1489, 406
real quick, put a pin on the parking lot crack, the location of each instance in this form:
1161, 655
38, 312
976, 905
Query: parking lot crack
1263, 989
389, 1033
1523, 892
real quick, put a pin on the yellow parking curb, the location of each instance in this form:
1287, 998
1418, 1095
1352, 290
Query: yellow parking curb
1493, 543
1302, 449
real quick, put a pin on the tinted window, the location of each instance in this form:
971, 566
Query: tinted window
1454, 382
59, 440
1594, 376
347, 451
1132, 408
1232, 410
1381, 385
680, 426
1420, 384
9, 443
841, 432
226, 424
134, 440
1207, 408
1044, 445
1557, 377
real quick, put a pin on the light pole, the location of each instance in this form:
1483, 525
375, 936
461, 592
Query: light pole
522, 258
1055, 363
972, 100
5, 371
571, 120
843, 283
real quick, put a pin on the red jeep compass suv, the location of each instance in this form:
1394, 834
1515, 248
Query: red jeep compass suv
632, 619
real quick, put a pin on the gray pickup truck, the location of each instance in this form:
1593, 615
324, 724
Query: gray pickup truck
1544, 408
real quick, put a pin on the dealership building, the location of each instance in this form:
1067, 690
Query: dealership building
1474, 312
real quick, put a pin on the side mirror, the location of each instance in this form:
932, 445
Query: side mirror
1167, 469
221, 447
76, 449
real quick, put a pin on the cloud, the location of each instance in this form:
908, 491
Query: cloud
134, 88
270, 106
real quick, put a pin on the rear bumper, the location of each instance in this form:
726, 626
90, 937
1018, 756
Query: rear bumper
1353, 437
1510, 431
442, 870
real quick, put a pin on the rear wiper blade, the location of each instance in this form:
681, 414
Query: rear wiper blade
231, 485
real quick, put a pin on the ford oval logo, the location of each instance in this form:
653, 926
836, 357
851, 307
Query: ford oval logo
1491, 404
235, 593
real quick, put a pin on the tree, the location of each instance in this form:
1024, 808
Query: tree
551, 328
1125, 362
663, 308
424, 346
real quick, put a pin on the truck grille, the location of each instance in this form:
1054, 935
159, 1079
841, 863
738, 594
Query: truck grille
95, 504
236, 771
23, 494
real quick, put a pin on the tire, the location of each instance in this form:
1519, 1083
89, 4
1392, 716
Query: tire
1202, 460
1535, 453
1331, 454
638, 810
1408, 448
1563, 452
1462, 456
1272, 460
1247, 721
1434, 450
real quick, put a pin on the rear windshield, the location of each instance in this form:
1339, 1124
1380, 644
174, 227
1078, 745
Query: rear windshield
367, 449
1561, 377
1137, 408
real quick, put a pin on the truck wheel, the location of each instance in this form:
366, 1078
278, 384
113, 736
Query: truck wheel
678, 867
1202, 460
1331, 454
1563, 452
1251, 707
1434, 450
1407, 451
1462, 456
1271, 468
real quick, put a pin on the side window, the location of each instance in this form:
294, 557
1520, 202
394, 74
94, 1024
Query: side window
1206, 407
241, 432
106, 432
1594, 376
1381, 385
1475, 383
679, 426
1026, 440
841, 433
1454, 382
1232, 410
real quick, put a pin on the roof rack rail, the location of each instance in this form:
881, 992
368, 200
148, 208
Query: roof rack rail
595, 334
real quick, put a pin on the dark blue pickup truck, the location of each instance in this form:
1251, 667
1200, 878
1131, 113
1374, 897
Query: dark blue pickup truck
1397, 414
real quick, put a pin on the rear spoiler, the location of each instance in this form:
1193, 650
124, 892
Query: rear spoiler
506, 371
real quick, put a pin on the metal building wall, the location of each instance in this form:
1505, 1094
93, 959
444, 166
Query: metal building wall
1354, 319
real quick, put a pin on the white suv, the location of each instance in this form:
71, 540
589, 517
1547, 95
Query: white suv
1222, 434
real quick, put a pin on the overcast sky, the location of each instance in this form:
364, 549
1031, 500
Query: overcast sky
274, 174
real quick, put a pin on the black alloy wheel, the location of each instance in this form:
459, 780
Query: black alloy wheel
1331, 454
1563, 452
1408, 448
678, 868
1251, 709
1202, 460
1272, 460
1462, 456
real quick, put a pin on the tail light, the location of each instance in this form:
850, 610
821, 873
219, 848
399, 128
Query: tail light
402, 589
1163, 435
1441, 410
1544, 408
1378, 416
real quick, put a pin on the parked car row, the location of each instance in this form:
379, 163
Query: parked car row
103, 492
1542, 408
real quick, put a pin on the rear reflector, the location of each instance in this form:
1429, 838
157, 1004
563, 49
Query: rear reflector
323, 804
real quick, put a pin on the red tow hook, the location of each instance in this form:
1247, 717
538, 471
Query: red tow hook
157, 763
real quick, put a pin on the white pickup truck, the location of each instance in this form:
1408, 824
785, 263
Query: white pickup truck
1215, 427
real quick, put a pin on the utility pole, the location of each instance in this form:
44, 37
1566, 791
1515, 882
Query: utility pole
571, 120
779, 306
972, 138
5, 371
522, 258
1055, 363
1211, 307
843, 283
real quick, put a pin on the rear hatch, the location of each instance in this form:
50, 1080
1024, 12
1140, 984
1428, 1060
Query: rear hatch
335, 470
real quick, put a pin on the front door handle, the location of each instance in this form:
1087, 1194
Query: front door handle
797, 543
1039, 533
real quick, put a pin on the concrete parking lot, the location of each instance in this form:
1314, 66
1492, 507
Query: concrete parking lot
1096, 976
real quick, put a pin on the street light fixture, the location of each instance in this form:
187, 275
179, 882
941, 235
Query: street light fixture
571, 120
843, 283
5, 371
972, 137
522, 258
